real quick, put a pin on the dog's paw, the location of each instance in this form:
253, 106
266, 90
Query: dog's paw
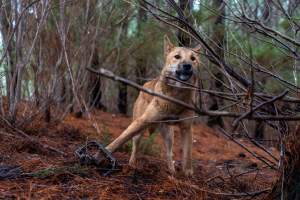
188, 172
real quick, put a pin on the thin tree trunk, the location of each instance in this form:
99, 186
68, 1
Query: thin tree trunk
141, 62
122, 88
95, 84
35, 85
122, 95
259, 129
5, 16
219, 39
16, 69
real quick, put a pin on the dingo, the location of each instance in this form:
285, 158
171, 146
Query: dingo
181, 63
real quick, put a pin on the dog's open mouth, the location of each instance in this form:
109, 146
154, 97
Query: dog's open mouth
184, 75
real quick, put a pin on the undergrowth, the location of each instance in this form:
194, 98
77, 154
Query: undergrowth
75, 169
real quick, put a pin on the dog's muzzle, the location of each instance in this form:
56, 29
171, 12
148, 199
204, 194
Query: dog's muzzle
184, 72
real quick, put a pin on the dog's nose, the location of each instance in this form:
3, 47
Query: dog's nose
187, 67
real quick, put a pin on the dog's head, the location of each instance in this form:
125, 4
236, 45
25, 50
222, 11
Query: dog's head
180, 62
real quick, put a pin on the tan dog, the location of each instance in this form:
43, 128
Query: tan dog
180, 63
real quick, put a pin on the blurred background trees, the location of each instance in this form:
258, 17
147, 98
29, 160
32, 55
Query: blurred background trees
47, 44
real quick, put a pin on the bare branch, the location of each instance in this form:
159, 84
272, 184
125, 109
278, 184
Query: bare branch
111, 75
236, 121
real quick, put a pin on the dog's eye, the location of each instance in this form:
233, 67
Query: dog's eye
193, 58
177, 56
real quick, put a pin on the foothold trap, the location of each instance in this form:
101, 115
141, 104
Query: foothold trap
94, 153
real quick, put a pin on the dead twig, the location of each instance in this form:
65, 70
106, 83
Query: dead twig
236, 121
259, 157
30, 138
242, 194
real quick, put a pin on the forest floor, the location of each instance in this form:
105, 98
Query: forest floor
223, 170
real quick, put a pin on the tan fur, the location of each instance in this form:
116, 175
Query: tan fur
148, 109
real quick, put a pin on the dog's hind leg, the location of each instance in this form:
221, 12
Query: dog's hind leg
167, 132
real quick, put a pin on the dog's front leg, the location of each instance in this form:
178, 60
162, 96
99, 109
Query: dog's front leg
186, 134
139, 124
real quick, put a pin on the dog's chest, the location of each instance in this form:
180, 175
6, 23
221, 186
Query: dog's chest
167, 107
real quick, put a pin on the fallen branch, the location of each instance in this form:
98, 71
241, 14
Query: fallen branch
259, 157
243, 194
109, 74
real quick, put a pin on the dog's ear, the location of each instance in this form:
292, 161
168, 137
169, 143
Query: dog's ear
197, 49
168, 45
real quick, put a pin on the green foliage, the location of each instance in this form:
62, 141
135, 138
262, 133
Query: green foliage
75, 169
126, 42
284, 24
127, 148
148, 146
106, 136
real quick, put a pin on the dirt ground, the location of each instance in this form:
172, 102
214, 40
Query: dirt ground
223, 170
